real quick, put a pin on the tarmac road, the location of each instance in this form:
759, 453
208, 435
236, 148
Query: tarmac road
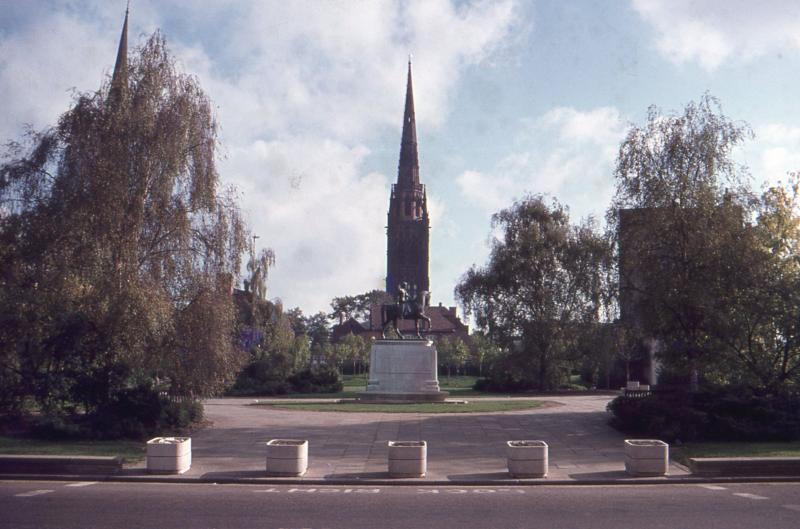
65, 505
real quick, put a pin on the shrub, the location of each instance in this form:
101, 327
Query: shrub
715, 414
127, 413
181, 414
504, 383
317, 379
259, 378
138, 412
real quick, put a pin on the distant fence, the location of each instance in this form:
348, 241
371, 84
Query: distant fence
658, 390
637, 393
176, 398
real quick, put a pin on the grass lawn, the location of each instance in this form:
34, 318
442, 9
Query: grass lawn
131, 451
458, 386
684, 452
429, 407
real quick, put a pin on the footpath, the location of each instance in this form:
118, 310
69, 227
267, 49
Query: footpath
463, 448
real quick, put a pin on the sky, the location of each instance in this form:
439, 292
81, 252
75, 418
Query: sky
512, 98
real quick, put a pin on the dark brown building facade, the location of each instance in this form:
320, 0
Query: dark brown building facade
408, 224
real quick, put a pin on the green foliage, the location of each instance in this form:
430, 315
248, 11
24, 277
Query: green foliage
118, 252
317, 329
546, 282
351, 349
452, 353
357, 307
714, 414
707, 267
258, 266
317, 379
133, 413
131, 451
259, 378
482, 351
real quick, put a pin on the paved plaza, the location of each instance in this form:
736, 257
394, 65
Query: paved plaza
467, 447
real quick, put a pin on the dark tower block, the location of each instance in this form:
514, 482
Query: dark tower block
408, 223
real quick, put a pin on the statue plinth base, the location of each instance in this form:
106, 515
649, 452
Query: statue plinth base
403, 371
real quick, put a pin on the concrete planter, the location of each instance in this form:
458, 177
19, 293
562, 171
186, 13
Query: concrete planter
646, 457
527, 459
287, 457
169, 455
408, 459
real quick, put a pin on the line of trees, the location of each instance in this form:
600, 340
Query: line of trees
119, 252
694, 267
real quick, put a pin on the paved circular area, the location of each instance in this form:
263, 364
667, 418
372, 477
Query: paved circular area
460, 446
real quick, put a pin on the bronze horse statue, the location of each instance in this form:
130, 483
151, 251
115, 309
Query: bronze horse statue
415, 310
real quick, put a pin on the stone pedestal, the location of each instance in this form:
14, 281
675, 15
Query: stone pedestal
403, 371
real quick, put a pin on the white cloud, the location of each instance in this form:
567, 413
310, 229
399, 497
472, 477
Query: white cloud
712, 32
301, 88
566, 153
775, 152
490, 192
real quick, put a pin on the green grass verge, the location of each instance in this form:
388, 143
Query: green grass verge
130, 451
458, 386
487, 406
684, 452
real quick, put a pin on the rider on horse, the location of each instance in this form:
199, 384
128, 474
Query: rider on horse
402, 299
409, 305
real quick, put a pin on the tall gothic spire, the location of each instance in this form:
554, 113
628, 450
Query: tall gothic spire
407, 237
119, 80
408, 168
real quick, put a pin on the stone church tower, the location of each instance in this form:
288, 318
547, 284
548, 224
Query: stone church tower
408, 223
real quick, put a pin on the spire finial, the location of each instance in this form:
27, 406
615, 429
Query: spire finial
408, 168
119, 79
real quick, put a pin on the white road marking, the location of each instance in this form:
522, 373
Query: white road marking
467, 491
32, 493
792, 507
81, 484
750, 496
713, 487
319, 491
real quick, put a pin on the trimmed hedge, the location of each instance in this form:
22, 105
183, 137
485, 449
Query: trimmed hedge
318, 379
257, 379
718, 414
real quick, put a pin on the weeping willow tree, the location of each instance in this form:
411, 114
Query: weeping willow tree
118, 246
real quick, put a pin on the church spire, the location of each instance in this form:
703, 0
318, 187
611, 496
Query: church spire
408, 168
407, 237
119, 79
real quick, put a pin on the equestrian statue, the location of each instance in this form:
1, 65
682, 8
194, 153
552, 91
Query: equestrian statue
409, 305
